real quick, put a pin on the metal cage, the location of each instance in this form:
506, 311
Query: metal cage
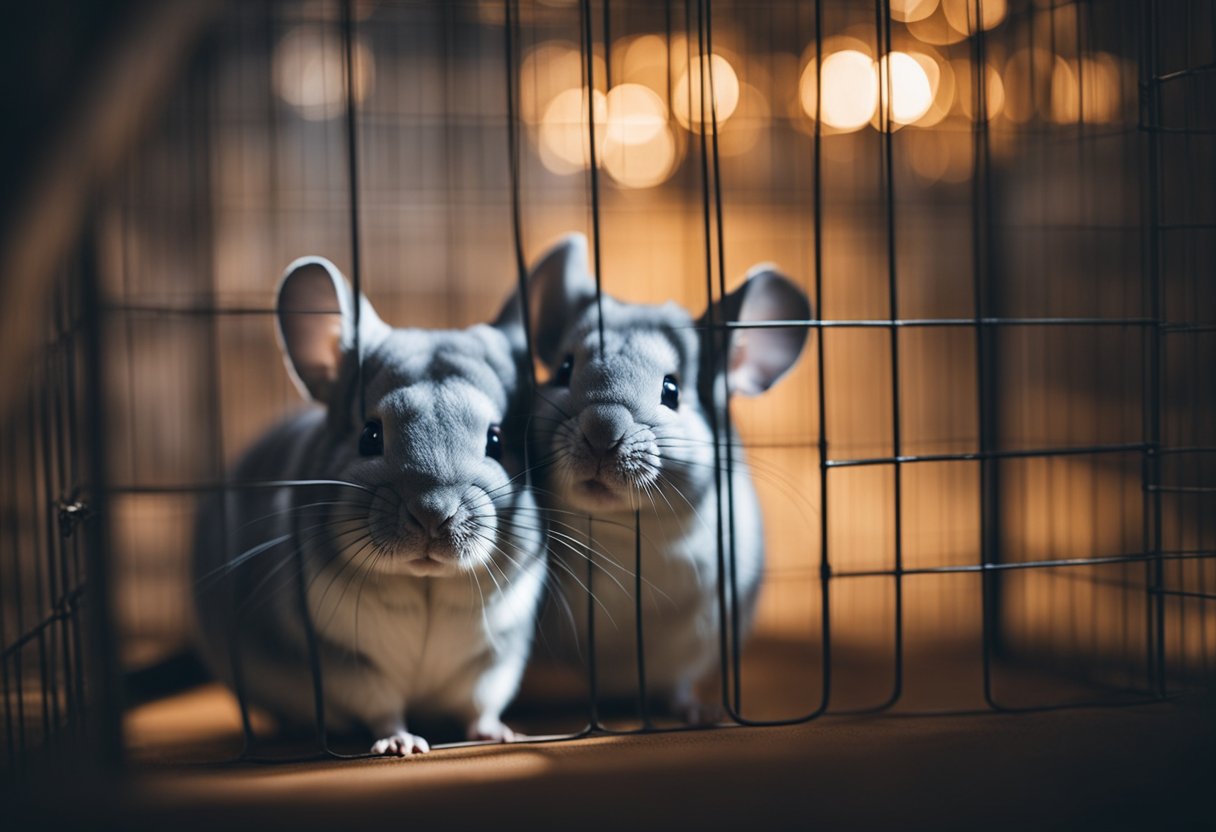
993, 471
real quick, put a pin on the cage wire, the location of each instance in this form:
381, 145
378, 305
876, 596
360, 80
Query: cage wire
987, 484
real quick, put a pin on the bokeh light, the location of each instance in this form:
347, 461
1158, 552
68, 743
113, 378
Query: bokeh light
941, 82
642, 60
935, 29
686, 96
960, 14
907, 11
549, 69
1086, 90
849, 89
994, 89
636, 114
1029, 77
564, 138
751, 119
911, 94
310, 71
642, 165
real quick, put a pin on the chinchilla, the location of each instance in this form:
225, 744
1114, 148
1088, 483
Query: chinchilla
623, 429
407, 538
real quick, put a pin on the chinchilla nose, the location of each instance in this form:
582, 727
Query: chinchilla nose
604, 425
435, 511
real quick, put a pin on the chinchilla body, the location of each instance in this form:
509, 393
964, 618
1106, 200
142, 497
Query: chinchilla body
635, 480
406, 545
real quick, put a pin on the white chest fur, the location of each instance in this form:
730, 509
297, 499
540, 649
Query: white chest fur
432, 638
679, 607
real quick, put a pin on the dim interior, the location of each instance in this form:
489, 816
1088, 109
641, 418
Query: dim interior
1008, 310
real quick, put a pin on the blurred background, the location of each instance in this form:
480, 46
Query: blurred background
1002, 210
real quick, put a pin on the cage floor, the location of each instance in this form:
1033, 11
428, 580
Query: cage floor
1149, 765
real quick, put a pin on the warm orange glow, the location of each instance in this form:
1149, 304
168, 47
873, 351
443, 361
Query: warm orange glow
850, 90
636, 114
935, 29
960, 14
686, 96
994, 90
641, 164
564, 140
940, 155
911, 94
643, 60
907, 11
750, 120
549, 69
1028, 75
310, 71
1086, 90
941, 82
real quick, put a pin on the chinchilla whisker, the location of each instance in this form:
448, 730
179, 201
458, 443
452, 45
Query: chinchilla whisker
553, 589
768, 475
690, 440
603, 521
293, 484
579, 530
363, 569
306, 506
586, 590
533, 466
571, 544
657, 488
663, 478
256, 596
208, 579
371, 568
291, 559
361, 557
348, 561
576, 530
602, 563
510, 487
490, 571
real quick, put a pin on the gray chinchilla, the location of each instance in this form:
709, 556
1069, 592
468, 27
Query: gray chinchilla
423, 575
624, 426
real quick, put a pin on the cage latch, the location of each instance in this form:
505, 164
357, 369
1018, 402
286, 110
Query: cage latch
72, 512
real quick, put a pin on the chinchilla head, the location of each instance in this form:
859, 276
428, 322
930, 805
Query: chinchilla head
626, 411
429, 441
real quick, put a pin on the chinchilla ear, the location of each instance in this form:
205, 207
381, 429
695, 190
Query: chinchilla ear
559, 288
316, 315
755, 358
510, 322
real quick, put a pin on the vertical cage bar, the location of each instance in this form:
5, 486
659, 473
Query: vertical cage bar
36, 506
352, 173
9, 509
985, 360
1150, 116
887, 180
712, 341
724, 343
825, 564
19, 585
588, 68
511, 38
106, 718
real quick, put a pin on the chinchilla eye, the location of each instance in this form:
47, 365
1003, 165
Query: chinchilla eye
671, 392
371, 441
562, 377
494, 442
